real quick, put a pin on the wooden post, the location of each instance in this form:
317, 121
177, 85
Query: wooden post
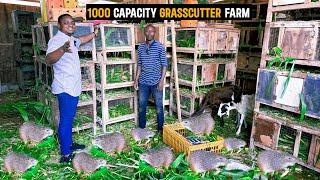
175, 66
297, 143
133, 57
312, 150
269, 12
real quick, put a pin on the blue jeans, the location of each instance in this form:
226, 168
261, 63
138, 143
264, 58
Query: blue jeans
68, 108
144, 93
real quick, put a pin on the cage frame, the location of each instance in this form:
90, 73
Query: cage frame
298, 75
287, 6
282, 25
213, 40
279, 123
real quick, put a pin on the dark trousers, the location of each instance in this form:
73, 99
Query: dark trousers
68, 108
144, 93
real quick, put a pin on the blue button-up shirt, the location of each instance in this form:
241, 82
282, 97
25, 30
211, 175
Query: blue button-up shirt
67, 71
151, 59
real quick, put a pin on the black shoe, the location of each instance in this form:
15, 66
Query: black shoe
66, 159
76, 147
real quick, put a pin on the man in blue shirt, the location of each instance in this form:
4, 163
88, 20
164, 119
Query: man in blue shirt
151, 71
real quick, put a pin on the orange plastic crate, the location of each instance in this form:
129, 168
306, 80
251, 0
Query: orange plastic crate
173, 136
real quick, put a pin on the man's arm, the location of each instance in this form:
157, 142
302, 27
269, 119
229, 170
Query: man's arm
55, 55
138, 72
136, 81
86, 38
164, 64
163, 74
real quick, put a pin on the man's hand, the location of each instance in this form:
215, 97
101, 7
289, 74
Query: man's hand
136, 85
160, 85
66, 47
96, 30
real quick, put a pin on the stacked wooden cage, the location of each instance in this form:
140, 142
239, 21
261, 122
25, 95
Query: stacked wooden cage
22, 21
86, 115
207, 57
287, 103
115, 70
163, 35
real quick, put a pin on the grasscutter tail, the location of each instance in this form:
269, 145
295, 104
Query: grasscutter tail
202, 107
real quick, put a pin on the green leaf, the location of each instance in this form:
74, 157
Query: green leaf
178, 160
23, 113
102, 172
95, 151
142, 24
144, 167
39, 107
286, 83
137, 149
274, 60
303, 107
245, 178
31, 172
49, 142
277, 51
288, 60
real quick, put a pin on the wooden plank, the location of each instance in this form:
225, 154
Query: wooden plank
288, 108
175, 67
296, 6
94, 94
230, 71
311, 62
85, 103
309, 129
119, 85
133, 57
286, 2
122, 96
117, 49
82, 127
121, 118
317, 152
297, 144
199, 63
88, 88
209, 72
183, 112
312, 149
119, 62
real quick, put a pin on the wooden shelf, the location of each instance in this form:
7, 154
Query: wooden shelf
85, 103
189, 83
116, 49
307, 4
82, 127
116, 97
117, 119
